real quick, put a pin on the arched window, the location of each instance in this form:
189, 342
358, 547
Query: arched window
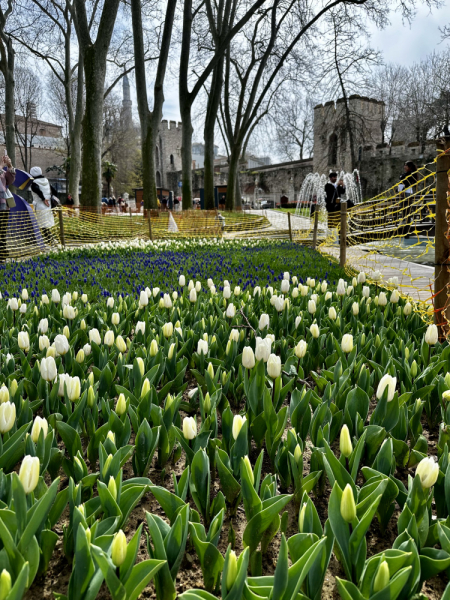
332, 149
157, 157
171, 159
158, 179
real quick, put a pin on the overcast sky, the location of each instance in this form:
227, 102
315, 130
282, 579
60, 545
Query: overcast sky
405, 43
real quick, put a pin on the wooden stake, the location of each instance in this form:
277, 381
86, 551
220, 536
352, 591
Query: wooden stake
343, 235
441, 244
131, 222
289, 224
316, 225
61, 227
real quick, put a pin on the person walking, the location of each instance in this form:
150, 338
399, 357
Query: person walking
332, 200
42, 192
7, 178
407, 187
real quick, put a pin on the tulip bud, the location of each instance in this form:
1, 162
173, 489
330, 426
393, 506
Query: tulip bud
301, 519
90, 397
5, 584
381, 580
207, 403
112, 487
390, 383
120, 344
298, 454
13, 388
407, 309
377, 341
248, 358
80, 356
300, 349
348, 506
210, 370
224, 377
363, 339
431, 335
314, 329
119, 549
121, 405
91, 378
232, 570
249, 469
153, 348
29, 473
108, 461
447, 380
145, 388
414, 369
345, 442
4, 394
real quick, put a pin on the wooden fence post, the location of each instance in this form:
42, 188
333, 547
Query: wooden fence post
61, 227
441, 244
343, 235
316, 225
131, 222
150, 233
289, 224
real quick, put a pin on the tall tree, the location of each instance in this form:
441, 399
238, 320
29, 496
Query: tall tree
94, 55
150, 119
7, 58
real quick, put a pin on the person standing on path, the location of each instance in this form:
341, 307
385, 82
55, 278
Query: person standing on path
42, 192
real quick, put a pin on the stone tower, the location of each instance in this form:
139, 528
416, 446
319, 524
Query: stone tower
331, 138
168, 151
127, 104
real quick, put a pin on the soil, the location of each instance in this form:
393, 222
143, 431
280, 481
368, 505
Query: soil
56, 578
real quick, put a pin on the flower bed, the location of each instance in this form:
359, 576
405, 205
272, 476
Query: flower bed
276, 437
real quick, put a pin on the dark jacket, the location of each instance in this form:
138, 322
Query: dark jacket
331, 198
409, 179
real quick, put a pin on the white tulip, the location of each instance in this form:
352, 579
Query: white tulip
108, 340
324, 287
227, 292
428, 471
407, 309
191, 285
366, 291
198, 286
193, 295
38, 426
23, 341
115, 318
304, 290
48, 369
189, 428
285, 286
23, 309
295, 293
44, 342
94, 337
300, 349
340, 291
84, 298
279, 303
66, 299
69, 312
110, 302
311, 307
234, 335
143, 299
167, 330
389, 382
155, 292
376, 276
231, 311
29, 473
264, 321
248, 358
13, 304
7, 416
4, 394
262, 349
314, 329
202, 347
257, 291
55, 296
382, 300
312, 283
44, 299
182, 281
355, 308
43, 326
347, 343
431, 335
210, 282
87, 349
395, 297
298, 320
286, 276
140, 326
332, 313
61, 345
238, 422
274, 366
361, 277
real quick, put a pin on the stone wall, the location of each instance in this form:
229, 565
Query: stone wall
169, 145
41, 157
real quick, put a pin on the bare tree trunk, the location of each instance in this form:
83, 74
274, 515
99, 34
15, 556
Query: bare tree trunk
186, 157
8, 73
210, 123
92, 129
75, 121
150, 121
233, 175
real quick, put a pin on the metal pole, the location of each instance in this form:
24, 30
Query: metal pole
150, 233
61, 227
441, 261
343, 234
316, 224
289, 223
